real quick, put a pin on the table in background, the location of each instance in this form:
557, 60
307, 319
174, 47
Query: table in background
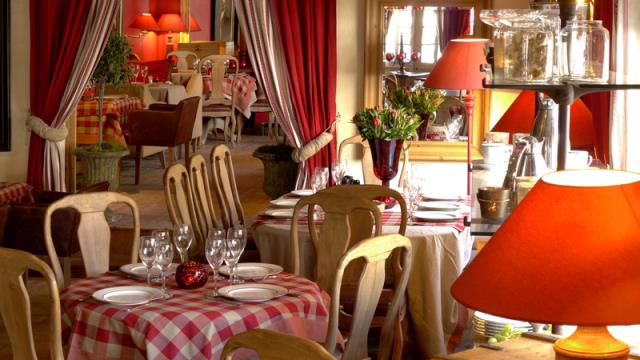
168, 94
187, 326
440, 252
244, 90
114, 112
15, 192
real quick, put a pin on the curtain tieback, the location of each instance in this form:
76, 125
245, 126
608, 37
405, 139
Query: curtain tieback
38, 126
310, 149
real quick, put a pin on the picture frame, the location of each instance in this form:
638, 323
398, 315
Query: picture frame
5, 77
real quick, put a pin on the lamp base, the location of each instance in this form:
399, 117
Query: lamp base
591, 342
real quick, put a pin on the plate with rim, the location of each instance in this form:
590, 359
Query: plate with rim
280, 213
127, 295
285, 202
253, 292
443, 197
253, 270
139, 270
302, 192
437, 216
439, 205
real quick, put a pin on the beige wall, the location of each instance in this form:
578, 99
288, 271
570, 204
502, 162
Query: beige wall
13, 165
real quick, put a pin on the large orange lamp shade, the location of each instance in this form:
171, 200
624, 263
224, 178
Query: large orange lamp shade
568, 254
171, 23
145, 22
194, 26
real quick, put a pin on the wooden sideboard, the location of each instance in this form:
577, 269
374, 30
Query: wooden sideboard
204, 48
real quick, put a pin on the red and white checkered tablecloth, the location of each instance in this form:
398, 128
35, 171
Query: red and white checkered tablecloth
15, 192
187, 326
115, 113
245, 91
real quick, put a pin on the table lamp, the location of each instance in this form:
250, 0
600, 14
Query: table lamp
193, 24
171, 23
568, 254
146, 23
459, 69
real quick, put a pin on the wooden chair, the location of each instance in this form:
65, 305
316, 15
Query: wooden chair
179, 199
194, 88
202, 196
367, 161
224, 184
94, 234
16, 308
271, 345
374, 252
217, 105
182, 65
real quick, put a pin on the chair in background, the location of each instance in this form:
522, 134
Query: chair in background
367, 161
224, 184
182, 57
202, 196
16, 308
262, 106
271, 345
162, 125
194, 88
217, 105
180, 204
94, 234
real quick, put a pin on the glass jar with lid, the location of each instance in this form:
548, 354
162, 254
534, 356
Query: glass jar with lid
585, 51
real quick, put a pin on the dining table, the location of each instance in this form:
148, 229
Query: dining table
188, 325
13, 192
114, 111
166, 93
245, 90
441, 250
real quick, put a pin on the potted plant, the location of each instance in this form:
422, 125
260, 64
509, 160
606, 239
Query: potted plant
422, 101
100, 161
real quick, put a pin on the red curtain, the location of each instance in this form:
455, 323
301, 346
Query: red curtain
307, 31
56, 27
456, 23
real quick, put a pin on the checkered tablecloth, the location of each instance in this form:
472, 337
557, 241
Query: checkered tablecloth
15, 192
244, 90
187, 326
115, 115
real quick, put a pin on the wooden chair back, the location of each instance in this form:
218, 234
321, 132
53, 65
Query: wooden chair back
94, 234
182, 56
16, 308
367, 160
374, 252
202, 196
224, 185
219, 66
271, 345
334, 237
180, 204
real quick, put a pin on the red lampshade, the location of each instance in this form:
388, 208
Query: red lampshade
145, 22
459, 66
568, 254
193, 24
171, 23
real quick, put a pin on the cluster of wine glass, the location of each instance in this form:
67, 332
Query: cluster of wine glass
412, 190
141, 72
321, 175
225, 247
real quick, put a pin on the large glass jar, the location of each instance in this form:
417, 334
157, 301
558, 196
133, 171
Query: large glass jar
585, 51
528, 53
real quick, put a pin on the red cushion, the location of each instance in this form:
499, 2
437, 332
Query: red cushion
159, 69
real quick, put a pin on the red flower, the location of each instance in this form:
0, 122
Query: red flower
394, 114
376, 122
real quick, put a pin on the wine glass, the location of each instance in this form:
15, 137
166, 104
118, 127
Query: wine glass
234, 246
147, 254
319, 178
214, 251
145, 72
182, 238
162, 235
338, 169
164, 257
137, 71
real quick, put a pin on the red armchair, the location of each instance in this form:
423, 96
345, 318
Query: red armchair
162, 125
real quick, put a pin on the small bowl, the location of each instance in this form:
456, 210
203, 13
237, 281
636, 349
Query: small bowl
493, 209
493, 193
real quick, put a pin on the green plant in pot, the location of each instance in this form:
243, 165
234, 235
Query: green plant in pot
421, 101
100, 161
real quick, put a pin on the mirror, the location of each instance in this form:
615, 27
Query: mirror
416, 29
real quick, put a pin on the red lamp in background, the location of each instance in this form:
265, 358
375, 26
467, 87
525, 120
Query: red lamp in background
568, 254
193, 24
146, 23
171, 23
459, 69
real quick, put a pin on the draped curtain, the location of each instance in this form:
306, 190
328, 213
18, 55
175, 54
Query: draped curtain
455, 23
67, 38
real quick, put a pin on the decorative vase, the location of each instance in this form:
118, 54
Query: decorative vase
280, 171
100, 166
191, 275
386, 156
422, 130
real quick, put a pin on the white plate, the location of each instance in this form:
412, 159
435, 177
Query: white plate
285, 202
439, 205
437, 215
279, 213
139, 270
443, 197
253, 292
302, 192
127, 295
253, 270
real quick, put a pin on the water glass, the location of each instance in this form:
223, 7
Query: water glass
338, 169
147, 254
162, 235
411, 194
182, 238
145, 72
234, 246
319, 178
164, 258
214, 251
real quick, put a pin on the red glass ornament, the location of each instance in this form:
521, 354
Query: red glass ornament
400, 57
191, 275
389, 56
415, 56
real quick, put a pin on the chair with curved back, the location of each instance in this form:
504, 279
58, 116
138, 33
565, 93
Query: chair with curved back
217, 105
271, 345
94, 234
202, 196
182, 63
224, 185
194, 87
367, 161
15, 304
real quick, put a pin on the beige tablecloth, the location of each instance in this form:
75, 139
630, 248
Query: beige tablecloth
170, 94
440, 254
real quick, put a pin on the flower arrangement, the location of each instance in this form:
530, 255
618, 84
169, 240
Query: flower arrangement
420, 100
388, 123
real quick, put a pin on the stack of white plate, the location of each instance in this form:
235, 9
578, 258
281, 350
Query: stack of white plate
489, 325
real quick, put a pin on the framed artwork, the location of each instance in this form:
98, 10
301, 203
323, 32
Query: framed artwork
5, 111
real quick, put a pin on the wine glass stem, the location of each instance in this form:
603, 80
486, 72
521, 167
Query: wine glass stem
149, 277
181, 252
164, 288
215, 282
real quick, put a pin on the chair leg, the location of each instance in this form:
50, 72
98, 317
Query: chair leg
66, 270
270, 126
171, 155
186, 153
239, 124
138, 161
163, 163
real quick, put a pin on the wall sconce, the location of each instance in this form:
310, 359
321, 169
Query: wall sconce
145, 22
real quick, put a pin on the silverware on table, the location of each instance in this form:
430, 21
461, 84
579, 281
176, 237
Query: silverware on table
131, 308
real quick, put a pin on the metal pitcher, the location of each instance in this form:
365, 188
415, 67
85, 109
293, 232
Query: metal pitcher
545, 127
526, 160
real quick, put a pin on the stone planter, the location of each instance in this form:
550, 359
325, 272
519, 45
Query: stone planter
100, 166
280, 171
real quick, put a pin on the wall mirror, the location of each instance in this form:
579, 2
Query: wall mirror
420, 30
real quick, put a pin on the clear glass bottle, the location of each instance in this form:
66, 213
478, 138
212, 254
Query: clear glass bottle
585, 51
